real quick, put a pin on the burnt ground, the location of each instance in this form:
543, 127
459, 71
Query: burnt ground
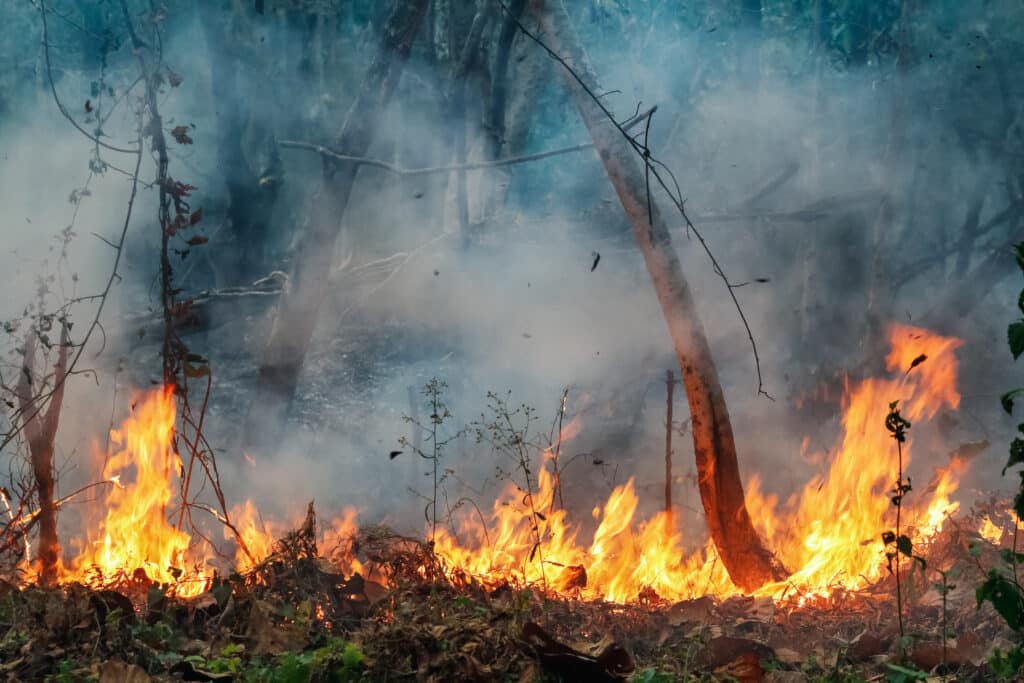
294, 618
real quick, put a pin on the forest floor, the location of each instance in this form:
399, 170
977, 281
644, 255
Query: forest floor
293, 619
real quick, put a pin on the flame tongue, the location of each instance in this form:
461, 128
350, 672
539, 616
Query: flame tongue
134, 541
829, 534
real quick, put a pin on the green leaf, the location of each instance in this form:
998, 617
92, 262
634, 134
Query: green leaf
904, 545
221, 592
1016, 454
1020, 301
1015, 337
1018, 501
1007, 399
1005, 597
901, 674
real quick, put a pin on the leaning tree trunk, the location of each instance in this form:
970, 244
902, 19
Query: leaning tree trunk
41, 432
749, 563
307, 284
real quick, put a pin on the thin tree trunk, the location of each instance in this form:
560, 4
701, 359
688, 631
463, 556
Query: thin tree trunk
457, 110
297, 313
41, 431
670, 385
749, 563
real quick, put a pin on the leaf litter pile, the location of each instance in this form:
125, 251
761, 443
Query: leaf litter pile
294, 618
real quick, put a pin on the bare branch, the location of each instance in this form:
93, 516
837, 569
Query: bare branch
397, 170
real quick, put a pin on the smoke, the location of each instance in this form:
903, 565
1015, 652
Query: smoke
530, 308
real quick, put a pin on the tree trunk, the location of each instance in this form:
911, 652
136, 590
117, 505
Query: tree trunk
251, 192
41, 433
457, 111
749, 563
297, 313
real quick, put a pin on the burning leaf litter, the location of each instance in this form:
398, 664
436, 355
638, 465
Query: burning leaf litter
489, 589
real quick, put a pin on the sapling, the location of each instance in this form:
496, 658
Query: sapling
433, 392
508, 431
902, 545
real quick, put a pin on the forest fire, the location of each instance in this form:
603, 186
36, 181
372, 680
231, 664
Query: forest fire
135, 542
828, 535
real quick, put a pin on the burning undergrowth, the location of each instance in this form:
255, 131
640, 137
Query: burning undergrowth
509, 592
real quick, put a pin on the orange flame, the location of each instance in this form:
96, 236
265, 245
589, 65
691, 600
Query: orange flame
134, 542
829, 535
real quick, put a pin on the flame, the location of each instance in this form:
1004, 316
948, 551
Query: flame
828, 535
134, 542
990, 531
260, 536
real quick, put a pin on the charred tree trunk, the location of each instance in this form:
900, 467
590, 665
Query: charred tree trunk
297, 313
41, 432
749, 563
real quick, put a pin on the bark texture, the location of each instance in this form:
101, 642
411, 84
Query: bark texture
41, 432
749, 563
308, 281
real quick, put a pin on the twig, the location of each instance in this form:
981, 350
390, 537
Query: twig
56, 98
558, 451
670, 384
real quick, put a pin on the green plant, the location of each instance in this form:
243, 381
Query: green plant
1001, 587
651, 675
900, 543
944, 587
894, 673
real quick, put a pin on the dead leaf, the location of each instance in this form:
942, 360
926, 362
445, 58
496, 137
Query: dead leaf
725, 649
180, 135
744, 669
121, 672
603, 661
762, 610
865, 646
787, 656
271, 638
690, 611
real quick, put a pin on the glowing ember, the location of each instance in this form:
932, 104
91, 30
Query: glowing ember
134, 542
